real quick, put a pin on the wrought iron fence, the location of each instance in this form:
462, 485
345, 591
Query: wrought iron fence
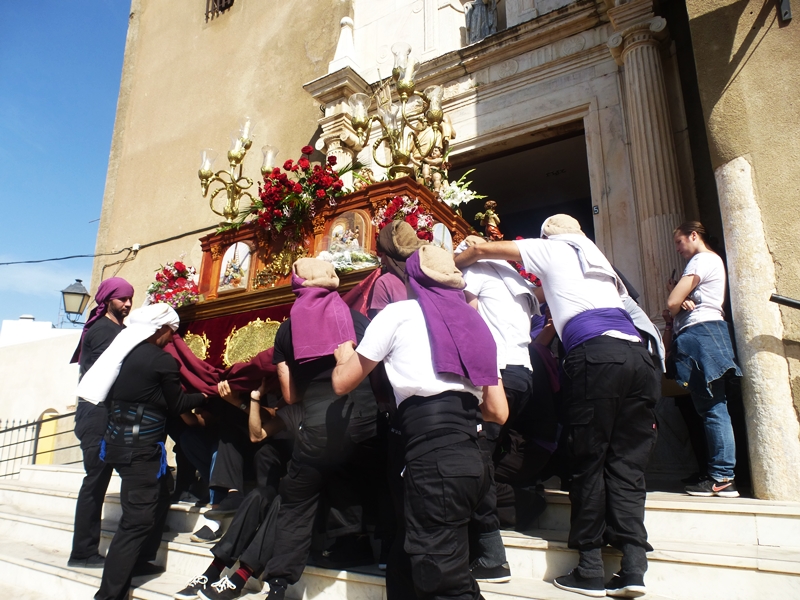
36, 442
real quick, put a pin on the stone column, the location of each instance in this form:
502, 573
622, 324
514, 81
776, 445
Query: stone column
773, 430
657, 190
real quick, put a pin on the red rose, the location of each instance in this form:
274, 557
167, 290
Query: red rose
298, 189
287, 166
390, 210
412, 220
306, 149
321, 194
277, 212
337, 186
181, 281
303, 163
179, 266
331, 160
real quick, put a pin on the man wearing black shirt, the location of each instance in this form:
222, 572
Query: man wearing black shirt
139, 398
113, 299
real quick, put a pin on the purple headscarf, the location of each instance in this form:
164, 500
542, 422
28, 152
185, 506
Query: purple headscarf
321, 321
111, 288
461, 342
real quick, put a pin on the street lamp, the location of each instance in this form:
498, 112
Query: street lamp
76, 297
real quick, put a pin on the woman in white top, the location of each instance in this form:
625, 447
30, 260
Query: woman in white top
703, 352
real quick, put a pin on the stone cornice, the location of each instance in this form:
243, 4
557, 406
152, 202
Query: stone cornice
547, 29
337, 85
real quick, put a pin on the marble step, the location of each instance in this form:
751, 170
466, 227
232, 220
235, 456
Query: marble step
60, 477
41, 574
23, 497
678, 570
668, 517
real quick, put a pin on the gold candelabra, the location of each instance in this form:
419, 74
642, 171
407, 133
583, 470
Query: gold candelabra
411, 130
231, 181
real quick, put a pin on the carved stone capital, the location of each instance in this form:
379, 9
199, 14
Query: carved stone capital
650, 32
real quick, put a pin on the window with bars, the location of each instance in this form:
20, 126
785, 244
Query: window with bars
216, 7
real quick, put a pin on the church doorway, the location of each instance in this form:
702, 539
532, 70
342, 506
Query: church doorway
531, 184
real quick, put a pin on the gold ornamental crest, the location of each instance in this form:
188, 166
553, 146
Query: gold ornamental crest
198, 344
243, 344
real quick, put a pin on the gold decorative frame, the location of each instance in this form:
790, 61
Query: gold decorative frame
198, 344
243, 344
278, 267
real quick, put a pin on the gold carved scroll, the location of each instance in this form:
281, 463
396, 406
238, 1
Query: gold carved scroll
198, 344
243, 344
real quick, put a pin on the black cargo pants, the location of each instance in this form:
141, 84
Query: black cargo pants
611, 387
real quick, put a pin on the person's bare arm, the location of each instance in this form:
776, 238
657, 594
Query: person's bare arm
496, 250
260, 429
494, 407
225, 392
472, 299
351, 368
288, 389
678, 297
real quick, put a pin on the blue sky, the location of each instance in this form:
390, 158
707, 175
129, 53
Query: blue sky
60, 67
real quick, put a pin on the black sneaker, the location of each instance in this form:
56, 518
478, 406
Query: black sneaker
227, 507
694, 478
712, 487
624, 585
498, 574
93, 562
588, 586
224, 589
204, 535
195, 586
277, 589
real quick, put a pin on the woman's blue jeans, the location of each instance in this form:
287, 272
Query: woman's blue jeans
719, 431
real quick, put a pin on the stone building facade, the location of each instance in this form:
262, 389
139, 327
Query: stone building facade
619, 75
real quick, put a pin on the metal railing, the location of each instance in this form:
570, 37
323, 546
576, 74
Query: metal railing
34, 442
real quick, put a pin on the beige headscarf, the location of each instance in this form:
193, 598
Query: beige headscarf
316, 272
558, 224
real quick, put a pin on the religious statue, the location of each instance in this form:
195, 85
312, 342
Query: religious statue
481, 17
363, 178
490, 221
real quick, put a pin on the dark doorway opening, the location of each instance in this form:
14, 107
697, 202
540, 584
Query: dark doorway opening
532, 184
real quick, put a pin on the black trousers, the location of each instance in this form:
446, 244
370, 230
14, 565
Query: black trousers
145, 504
91, 422
440, 493
235, 453
251, 535
518, 465
611, 388
300, 492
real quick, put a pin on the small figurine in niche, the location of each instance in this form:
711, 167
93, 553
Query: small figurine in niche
490, 221
363, 178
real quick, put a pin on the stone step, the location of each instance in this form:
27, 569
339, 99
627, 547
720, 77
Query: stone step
677, 569
670, 517
37, 500
39, 574
60, 477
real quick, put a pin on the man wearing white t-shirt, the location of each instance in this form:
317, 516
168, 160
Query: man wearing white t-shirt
507, 303
441, 361
610, 389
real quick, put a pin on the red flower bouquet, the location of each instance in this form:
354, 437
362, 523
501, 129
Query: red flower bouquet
403, 208
290, 198
175, 285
